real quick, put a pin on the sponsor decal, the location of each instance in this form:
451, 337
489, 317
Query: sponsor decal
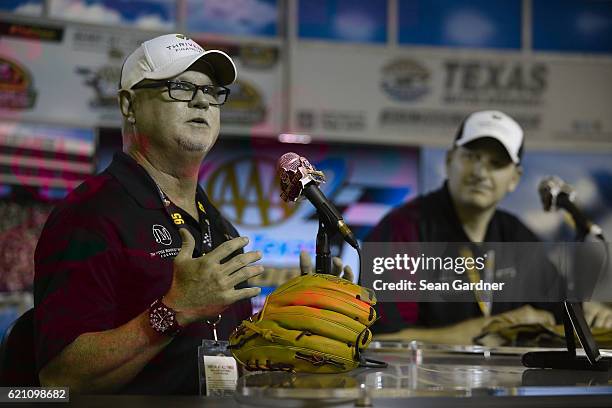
343, 120
306, 119
258, 57
494, 82
101, 41
332, 120
392, 118
31, 31
16, 86
247, 191
405, 80
252, 56
103, 81
585, 129
245, 105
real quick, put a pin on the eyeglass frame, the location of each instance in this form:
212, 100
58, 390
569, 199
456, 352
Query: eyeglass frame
168, 83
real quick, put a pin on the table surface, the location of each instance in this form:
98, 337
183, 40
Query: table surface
417, 375
436, 372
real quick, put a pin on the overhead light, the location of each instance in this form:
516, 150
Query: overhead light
294, 138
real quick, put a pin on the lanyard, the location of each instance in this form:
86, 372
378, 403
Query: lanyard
213, 327
483, 298
204, 221
175, 215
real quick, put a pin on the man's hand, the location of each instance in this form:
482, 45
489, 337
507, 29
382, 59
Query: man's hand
525, 315
203, 287
337, 269
465, 331
597, 314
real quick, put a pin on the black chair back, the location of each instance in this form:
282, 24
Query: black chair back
17, 355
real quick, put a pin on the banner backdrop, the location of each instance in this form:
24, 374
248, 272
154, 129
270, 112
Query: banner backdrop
363, 182
69, 75
403, 95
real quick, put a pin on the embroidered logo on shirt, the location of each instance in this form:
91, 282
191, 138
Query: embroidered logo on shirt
161, 235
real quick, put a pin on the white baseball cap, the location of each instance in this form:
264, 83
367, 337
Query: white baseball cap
169, 55
496, 125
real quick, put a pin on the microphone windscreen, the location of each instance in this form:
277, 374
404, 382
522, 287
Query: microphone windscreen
549, 188
288, 162
288, 168
545, 191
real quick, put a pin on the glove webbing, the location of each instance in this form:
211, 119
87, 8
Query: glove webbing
265, 333
270, 336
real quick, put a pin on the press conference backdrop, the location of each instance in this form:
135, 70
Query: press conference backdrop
240, 178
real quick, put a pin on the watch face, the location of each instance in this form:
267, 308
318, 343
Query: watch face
161, 319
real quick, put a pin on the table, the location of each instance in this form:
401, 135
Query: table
418, 375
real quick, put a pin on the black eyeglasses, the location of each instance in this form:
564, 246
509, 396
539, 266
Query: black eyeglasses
185, 91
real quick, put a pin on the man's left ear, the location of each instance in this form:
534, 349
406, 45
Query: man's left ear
126, 102
516, 178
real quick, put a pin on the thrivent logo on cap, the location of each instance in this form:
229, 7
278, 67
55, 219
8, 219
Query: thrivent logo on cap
185, 44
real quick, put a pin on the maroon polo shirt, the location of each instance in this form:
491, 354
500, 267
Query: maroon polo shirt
105, 254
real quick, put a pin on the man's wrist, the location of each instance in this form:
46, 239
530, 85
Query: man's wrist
163, 318
182, 317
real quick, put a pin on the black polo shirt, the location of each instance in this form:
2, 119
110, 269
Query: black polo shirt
105, 254
432, 218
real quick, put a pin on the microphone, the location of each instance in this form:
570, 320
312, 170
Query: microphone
298, 179
556, 193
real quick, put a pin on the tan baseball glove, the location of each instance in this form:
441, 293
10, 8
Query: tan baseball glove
312, 323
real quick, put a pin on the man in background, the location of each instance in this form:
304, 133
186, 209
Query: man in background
482, 167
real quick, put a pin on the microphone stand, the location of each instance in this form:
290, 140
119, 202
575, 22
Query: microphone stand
573, 320
582, 223
323, 257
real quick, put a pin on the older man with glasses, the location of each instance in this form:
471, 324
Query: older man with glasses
136, 266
